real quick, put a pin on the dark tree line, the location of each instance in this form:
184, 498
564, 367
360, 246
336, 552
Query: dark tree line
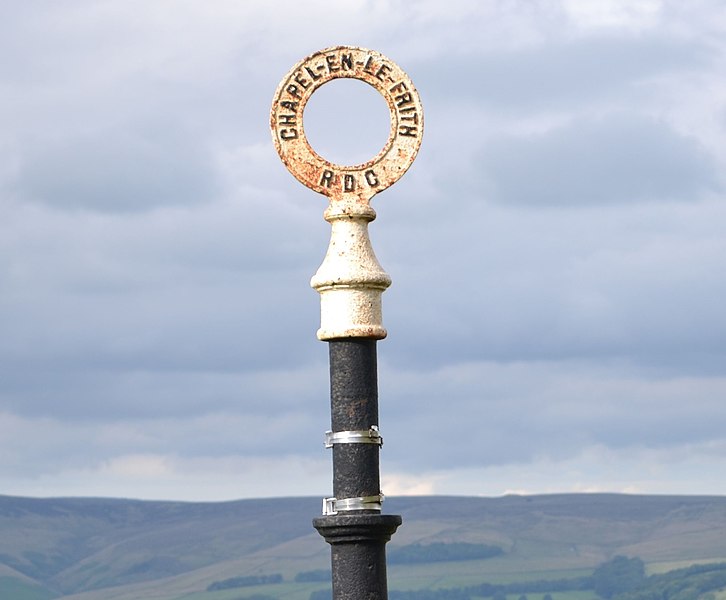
682, 584
318, 575
620, 578
245, 581
619, 575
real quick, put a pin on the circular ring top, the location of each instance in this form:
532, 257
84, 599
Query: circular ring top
362, 181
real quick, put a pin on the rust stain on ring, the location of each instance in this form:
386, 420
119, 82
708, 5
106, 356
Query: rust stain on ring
360, 182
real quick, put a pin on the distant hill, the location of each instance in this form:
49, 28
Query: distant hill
93, 549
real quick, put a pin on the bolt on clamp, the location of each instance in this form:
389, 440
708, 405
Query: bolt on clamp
332, 506
361, 436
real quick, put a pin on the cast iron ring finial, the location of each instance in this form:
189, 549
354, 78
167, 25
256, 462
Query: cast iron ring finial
350, 280
340, 182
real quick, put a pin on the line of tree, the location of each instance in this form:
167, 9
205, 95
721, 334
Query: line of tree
620, 578
692, 583
542, 586
441, 594
483, 590
245, 581
619, 575
441, 552
313, 576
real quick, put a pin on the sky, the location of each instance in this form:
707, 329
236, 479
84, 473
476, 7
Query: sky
558, 249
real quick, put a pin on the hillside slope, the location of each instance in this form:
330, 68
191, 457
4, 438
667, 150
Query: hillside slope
88, 549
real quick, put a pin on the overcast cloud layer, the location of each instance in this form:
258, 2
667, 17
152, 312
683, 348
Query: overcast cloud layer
556, 321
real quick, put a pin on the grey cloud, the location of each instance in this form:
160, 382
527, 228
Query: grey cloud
561, 75
622, 282
551, 292
618, 159
132, 167
484, 413
149, 354
37, 446
346, 110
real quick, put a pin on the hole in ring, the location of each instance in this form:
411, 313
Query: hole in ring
347, 121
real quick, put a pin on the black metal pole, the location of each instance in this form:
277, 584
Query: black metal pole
357, 537
354, 407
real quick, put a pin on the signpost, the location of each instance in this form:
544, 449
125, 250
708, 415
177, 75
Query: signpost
350, 282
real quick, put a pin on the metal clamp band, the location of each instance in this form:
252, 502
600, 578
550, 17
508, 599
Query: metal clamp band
332, 506
362, 436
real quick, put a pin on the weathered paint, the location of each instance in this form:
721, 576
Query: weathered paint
350, 280
339, 182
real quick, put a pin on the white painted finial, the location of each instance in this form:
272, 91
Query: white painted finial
350, 280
